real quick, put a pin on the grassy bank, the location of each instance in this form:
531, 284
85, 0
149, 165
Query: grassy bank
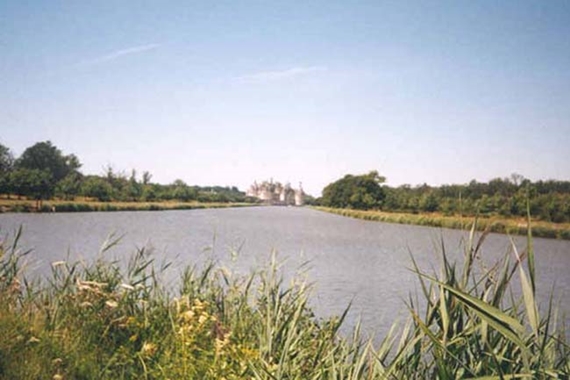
13, 205
100, 322
515, 226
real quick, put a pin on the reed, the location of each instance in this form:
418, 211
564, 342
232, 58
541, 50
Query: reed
471, 324
99, 321
109, 321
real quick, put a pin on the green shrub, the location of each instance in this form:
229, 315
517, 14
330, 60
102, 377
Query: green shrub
545, 232
564, 234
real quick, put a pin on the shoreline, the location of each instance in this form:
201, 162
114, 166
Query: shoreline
515, 226
51, 206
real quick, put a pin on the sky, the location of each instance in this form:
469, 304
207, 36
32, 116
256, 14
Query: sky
229, 92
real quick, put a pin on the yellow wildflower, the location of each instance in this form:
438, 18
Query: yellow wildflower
148, 349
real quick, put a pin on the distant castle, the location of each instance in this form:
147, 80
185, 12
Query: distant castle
277, 194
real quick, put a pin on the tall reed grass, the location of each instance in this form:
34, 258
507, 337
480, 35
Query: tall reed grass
99, 321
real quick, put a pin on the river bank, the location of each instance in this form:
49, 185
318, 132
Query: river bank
99, 320
515, 226
86, 205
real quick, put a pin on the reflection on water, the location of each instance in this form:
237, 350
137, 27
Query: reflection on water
356, 261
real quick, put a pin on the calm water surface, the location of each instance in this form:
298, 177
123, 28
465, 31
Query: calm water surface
349, 260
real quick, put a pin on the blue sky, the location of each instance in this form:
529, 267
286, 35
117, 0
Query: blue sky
230, 92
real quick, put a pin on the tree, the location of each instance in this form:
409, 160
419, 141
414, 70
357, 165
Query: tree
32, 183
97, 187
146, 178
181, 191
359, 192
428, 202
44, 156
6, 165
6, 159
517, 179
69, 187
149, 193
133, 189
119, 182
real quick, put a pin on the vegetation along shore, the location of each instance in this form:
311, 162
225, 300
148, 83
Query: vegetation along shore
104, 321
44, 173
501, 205
54, 205
513, 226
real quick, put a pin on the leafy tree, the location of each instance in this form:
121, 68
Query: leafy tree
44, 156
358, 192
428, 202
6, 159
98, 188
133, 189
149, 193
310, 200
5, 187
69, 187
119, 183
32, 183
6, 164
182, 192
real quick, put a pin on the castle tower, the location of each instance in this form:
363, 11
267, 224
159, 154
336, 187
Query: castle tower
275, 193
299, 195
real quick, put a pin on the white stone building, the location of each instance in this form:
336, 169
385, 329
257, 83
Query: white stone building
275, 193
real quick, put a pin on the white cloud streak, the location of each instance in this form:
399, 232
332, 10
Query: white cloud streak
270, 76
121, 53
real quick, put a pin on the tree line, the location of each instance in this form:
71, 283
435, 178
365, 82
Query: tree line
508, 197
43, 171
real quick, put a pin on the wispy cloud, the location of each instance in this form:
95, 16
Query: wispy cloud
270, 76
120, 53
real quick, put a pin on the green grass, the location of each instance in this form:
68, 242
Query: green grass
99, 321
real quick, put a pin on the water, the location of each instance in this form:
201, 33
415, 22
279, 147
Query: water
366, 263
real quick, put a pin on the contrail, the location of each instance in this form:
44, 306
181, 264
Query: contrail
121, 53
